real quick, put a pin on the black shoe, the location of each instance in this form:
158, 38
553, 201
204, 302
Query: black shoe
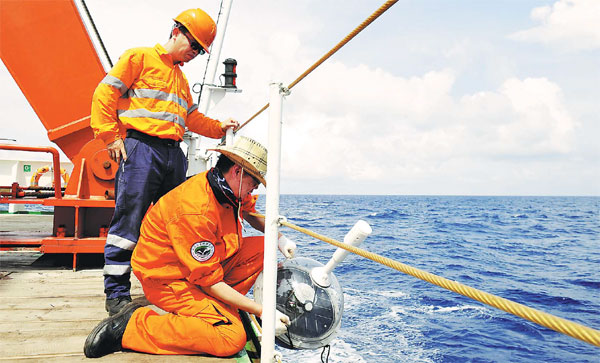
106, 337
115, 305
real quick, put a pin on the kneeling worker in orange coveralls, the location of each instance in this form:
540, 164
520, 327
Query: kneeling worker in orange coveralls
193, 263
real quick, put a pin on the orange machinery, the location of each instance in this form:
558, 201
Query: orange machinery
48, 51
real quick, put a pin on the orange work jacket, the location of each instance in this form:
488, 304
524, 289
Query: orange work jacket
147, 92
187, 235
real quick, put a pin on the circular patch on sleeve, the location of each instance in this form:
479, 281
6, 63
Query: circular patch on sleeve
202, 251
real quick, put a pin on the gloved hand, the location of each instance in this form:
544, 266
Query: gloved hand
286, 246
281, 323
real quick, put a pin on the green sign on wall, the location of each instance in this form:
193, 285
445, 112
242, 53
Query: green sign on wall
27, 168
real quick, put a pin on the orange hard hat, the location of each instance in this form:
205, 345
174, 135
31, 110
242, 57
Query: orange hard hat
200, 25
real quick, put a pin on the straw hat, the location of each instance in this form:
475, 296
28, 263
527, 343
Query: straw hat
249, 154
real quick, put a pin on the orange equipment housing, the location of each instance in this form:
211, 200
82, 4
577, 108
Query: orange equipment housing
48, 51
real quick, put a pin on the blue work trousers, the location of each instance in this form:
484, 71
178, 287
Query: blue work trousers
151, 170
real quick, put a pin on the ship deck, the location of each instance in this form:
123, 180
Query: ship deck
47, 309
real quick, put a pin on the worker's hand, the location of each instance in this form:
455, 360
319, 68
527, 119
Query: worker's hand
281, 323
229, 124
286, 246
116, 150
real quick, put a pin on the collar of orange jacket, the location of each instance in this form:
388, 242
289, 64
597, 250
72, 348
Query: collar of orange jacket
162, 52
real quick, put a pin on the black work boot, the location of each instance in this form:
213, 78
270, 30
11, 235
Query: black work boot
106, 337
115, 305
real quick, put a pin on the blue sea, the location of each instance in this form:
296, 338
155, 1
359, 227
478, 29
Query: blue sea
543, 252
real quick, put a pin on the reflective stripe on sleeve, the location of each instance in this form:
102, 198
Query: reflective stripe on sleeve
120, 242
193, 108
116, 83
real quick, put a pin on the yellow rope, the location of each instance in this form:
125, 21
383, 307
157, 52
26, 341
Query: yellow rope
383, 8
550, 321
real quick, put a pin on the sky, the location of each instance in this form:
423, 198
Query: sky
466, 97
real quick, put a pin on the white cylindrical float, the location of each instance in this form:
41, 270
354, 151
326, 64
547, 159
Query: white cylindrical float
355, 237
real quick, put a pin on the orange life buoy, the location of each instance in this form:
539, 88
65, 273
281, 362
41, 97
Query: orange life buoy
35, 178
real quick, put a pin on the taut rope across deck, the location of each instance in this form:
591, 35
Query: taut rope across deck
383, 8
567, 327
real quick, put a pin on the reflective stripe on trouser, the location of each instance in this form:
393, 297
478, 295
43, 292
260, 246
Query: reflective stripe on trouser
151, 170
195, 322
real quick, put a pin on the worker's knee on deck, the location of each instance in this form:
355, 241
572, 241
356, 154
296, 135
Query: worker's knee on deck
231, 343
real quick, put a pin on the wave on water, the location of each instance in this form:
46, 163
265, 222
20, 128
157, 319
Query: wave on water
538, 251
587, 283
541, 252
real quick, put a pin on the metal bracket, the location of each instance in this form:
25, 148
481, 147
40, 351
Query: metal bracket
284, 90
281, 219
197, 87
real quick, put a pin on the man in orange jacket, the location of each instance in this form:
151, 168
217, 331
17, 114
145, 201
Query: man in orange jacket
194, 263
146, 95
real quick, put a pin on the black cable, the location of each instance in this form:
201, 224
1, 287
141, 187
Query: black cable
250, 331
97, 33
328, 347
209, 55
287, 333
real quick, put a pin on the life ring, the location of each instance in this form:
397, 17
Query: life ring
35, 178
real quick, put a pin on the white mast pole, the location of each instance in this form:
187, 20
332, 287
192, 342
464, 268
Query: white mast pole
196, 163
271, 222
215, 56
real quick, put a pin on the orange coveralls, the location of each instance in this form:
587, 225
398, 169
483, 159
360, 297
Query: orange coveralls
189, 240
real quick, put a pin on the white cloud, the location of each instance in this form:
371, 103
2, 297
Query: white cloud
462, 124
568, 24
542, 123
358, 115
366, 125
522, 118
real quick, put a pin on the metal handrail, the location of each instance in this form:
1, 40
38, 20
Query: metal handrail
55, 162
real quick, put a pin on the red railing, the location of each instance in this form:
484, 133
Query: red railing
55, 162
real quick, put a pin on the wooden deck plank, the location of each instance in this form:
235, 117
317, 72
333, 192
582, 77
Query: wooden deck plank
46, 314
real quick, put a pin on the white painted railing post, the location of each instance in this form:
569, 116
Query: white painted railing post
271, 222
229, 137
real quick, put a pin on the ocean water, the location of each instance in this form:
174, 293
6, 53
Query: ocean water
543, 252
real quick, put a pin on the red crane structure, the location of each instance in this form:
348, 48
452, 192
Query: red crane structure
48, 51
